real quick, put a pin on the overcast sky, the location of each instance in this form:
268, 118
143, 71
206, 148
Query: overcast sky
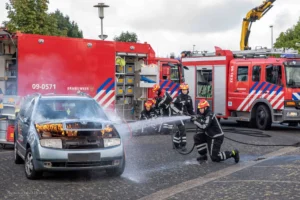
174, 26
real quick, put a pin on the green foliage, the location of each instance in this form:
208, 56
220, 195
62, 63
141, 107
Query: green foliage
30, 16
65, 26
126, 37
289, 38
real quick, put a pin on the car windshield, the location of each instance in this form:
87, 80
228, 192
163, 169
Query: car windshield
68, 109
293, 75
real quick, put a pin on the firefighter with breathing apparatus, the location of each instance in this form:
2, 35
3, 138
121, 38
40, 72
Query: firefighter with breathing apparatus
183, 105
163, 101
210, 137
147, 114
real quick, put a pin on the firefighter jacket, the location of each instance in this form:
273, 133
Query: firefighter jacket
209, 123
148, 114
184, 103
163, 104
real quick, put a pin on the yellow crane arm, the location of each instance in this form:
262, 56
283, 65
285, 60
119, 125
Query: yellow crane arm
253, 15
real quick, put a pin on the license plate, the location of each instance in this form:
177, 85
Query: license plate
83, 157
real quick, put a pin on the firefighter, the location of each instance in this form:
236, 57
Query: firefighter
183, 105
211, 136
163, 101
147, 114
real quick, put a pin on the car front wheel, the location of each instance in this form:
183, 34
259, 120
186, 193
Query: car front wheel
30, 171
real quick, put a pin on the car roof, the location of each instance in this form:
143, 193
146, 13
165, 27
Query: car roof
65, 97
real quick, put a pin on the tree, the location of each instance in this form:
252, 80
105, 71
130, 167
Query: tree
126, 37
65, 26
30, 16
289, 38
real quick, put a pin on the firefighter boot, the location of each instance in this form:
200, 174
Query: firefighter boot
236, 155
202, 158
183, 148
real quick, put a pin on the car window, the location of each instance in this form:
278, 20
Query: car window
68, 109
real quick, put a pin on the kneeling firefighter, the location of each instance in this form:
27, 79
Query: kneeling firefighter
211, 136
183, 105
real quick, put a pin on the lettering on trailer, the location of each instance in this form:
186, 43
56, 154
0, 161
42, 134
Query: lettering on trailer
78, 88
231, 74
263, 90
105, 95
37, 86
170, 86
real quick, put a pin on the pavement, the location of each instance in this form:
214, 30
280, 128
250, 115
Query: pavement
155, 171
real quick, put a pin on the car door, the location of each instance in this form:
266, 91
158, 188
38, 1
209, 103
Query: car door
24, 122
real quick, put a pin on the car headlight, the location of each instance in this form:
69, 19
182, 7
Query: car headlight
52, 143
109, 142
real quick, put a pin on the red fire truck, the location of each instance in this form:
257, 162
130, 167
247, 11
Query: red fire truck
118, 75
258, 87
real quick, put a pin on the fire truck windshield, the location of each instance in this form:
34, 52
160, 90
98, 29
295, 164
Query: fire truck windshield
292, 70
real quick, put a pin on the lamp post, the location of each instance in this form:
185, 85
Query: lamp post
271, 36
101, 7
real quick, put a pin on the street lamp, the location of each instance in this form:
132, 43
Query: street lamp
101, 7
271, 36
194, 48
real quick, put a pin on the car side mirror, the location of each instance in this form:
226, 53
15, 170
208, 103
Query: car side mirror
26, 120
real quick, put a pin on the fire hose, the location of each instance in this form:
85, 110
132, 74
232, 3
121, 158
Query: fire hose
247, 132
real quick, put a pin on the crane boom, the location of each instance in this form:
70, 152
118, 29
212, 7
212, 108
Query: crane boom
253, 15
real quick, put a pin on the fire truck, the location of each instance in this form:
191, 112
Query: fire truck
118, 75
257, 87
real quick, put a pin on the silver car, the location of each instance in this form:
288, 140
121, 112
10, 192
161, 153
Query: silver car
59, 133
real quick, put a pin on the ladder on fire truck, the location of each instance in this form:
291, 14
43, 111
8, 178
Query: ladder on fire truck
262, 52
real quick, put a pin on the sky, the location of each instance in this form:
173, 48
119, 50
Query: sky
175, 26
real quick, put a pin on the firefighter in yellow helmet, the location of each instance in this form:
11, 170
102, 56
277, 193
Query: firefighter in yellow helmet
183, 105
210, 137
147, 114
163, 107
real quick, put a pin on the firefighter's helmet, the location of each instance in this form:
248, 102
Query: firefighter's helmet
148, 104
203, 103
184, 86
153, 101
156, 87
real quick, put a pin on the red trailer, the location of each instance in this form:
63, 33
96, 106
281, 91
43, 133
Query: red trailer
117, 74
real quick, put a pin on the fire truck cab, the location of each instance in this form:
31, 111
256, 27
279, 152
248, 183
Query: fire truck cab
259, 87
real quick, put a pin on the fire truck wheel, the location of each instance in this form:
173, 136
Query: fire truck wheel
263, 118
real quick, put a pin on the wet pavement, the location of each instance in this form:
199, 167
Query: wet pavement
154, 170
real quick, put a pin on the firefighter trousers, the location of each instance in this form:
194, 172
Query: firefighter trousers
179, 138
206, 144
